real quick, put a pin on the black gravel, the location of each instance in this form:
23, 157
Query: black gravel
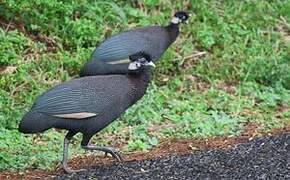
262, 158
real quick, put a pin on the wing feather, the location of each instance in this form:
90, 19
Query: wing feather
60, 100
80, 98
152, 40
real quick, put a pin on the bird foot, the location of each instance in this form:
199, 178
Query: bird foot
107, 150
70, 171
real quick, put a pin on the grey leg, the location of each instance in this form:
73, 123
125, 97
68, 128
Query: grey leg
65, 156
108, 150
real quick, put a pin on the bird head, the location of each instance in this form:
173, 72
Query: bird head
180, 17
140, 60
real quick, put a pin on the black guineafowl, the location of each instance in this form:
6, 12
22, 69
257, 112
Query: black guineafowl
87, 105
111, 56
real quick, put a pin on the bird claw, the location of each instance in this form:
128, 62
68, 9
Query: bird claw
115, 154
107, 151
71, 171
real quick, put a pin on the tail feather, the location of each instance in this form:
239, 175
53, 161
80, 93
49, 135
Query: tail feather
34, 122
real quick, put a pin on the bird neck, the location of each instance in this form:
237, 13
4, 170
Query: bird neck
173, 31
116, 68
96, 67
143, 75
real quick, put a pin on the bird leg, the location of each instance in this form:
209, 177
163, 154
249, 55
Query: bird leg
65, 157
107, 150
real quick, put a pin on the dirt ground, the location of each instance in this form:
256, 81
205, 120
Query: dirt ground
252, 155
262, 158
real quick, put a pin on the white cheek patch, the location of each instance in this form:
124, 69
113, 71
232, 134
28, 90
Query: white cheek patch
133, 66
175, 20
80, 115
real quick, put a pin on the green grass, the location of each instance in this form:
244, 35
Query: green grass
243, 76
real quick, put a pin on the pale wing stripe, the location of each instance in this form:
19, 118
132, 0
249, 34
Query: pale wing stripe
123, 61
80, 115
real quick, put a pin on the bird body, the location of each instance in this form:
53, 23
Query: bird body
154, 40
113, 53
85, 105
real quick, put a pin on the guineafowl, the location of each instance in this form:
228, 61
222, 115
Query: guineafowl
87, 105
111, 56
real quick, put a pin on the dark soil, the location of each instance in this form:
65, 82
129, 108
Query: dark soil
262, 158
